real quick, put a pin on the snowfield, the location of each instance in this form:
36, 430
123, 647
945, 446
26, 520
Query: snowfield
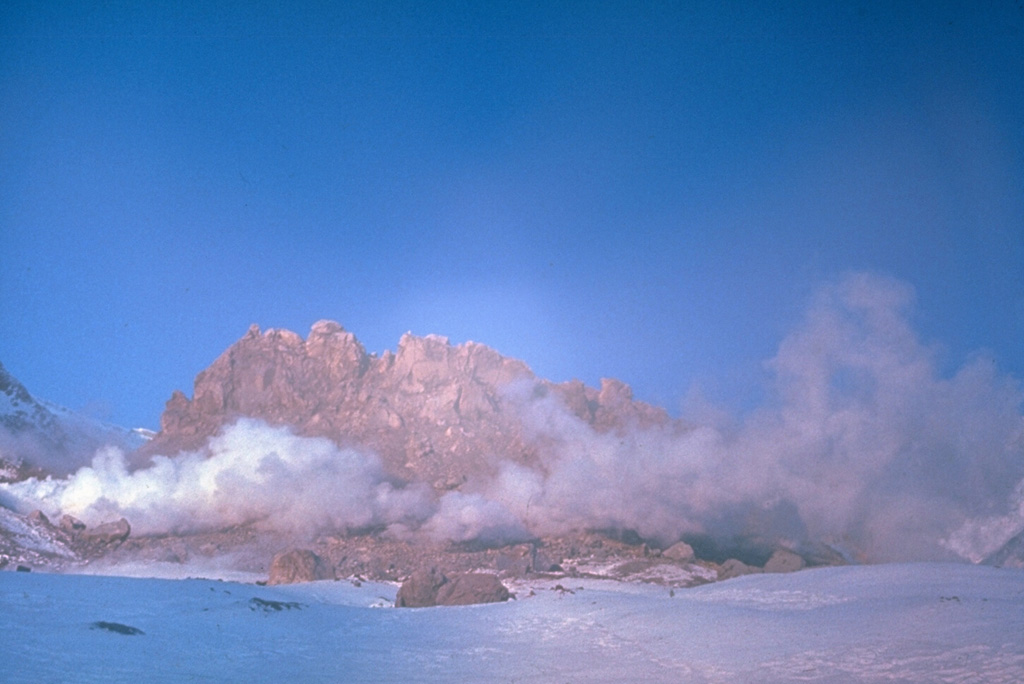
884, 623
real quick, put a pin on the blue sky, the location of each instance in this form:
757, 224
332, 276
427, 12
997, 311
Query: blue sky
647, 191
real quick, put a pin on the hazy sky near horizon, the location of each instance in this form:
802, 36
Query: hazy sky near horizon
647, 191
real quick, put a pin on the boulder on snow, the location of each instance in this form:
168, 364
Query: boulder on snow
784, 561
420, 589
432, 588
680, 551
734, 568
298, 565
472, 587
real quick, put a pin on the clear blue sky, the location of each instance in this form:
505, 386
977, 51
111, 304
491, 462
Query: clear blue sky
649, 191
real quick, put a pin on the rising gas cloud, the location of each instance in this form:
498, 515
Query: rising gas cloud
864, 446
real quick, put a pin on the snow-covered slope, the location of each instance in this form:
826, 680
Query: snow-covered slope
23, 539
906, 623
39, 436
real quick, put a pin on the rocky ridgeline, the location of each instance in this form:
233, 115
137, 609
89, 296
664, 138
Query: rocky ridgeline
434, 412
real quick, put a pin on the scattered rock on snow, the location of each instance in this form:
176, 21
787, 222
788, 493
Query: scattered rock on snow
117, 628
268, 606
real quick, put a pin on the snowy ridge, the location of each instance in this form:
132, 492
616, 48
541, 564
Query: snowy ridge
38, 434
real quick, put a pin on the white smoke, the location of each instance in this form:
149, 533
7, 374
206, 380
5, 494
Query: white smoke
472, 517
256, 474
864, 446
251, 473
978, 537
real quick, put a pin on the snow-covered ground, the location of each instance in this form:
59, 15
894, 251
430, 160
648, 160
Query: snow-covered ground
920, 622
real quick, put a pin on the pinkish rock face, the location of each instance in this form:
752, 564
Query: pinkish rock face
298, 565
434, 412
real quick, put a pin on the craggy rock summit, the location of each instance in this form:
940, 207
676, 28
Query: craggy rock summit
434, 412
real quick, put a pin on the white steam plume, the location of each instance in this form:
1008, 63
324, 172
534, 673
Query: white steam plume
865, 446
250, 473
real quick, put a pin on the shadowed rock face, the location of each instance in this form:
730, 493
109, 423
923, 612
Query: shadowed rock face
426, 588
471, 587
420, 589
298, 565
432, 411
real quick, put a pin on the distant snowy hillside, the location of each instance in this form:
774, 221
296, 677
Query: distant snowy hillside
39, 437
904, 623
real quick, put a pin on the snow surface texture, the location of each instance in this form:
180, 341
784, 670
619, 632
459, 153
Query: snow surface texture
903, 623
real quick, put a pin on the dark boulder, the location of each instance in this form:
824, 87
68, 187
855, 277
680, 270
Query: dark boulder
472, 587
420, 589
432, 588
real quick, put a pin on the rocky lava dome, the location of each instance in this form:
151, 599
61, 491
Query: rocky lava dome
433, 412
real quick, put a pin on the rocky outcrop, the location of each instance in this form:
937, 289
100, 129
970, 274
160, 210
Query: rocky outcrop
93, 542
736, 568
680, 551
433, 411
470, 588
298, 565
107, 533
784, 560
426, 588
33, 541
420, 589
